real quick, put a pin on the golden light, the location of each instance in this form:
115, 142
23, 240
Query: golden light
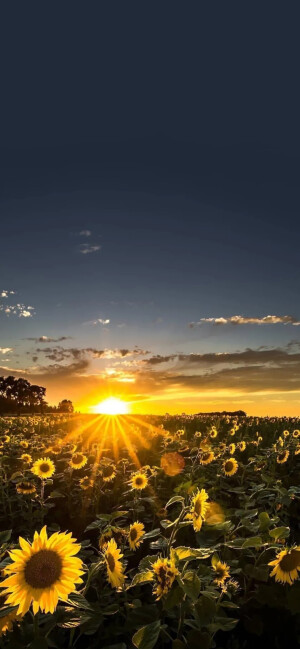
111, 406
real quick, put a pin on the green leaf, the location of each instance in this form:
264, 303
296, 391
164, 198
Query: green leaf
77, 600
191, 585
56, 494
253, 542
173, 598
206, 609
147, 636
5, 536
279, 532
6, 610
264, 521
174, 499
152, 534
142, 577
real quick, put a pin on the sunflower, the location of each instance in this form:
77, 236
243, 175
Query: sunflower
78, 460
139, 480
198, 509
25, 457
207, 457
25, 488
231, 586
115, 568
6, 621
104, 539
213, 433
108, 472
282, 457
286, 565
205, 445
297, 449
286, 433
55, 449
230, 466
164, 573
43, 572
86, 482
4, 439
231, 448
24, 444
43, 468
136, 533
241, 446
296, 433
221, 571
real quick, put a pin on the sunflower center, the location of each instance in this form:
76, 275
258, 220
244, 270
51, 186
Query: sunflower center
133, 534
44, 467
77, 458
43, 569
229, 466
108, 471
198, 507
290, 561
139, 481
111, 562
282, 455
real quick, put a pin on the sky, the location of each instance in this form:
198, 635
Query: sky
149, 205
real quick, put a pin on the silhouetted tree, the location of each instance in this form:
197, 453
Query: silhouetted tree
65, 406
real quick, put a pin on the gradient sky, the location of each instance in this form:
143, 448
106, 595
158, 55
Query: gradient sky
149, 186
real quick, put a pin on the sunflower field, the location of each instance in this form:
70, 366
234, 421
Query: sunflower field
162, 532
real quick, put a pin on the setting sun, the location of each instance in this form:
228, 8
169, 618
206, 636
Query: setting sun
111, 406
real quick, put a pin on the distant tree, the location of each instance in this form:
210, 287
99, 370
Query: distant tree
19, 394
65, 406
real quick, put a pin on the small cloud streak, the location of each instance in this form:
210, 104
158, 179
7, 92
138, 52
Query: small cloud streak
85, 233
47, 339
101, 321
86, 249
241, 320
5, 350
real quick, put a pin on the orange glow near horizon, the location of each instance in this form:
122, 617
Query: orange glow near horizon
111, 406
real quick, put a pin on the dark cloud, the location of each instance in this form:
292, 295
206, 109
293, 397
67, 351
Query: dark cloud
248, 357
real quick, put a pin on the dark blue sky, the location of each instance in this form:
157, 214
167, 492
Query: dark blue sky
171, 135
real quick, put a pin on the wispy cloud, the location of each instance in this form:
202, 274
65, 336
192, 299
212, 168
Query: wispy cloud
47, 339
85, 233
5, 350
242, 320
86, 249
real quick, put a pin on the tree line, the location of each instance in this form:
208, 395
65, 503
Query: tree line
19, 396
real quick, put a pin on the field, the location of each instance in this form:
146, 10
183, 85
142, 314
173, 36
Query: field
187, 532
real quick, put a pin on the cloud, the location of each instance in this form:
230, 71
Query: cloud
47, 339
5, 293
86, 249
5, 350
85, 233
241, 320
19, 310
101, 321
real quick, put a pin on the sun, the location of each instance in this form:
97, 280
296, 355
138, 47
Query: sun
111, 406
